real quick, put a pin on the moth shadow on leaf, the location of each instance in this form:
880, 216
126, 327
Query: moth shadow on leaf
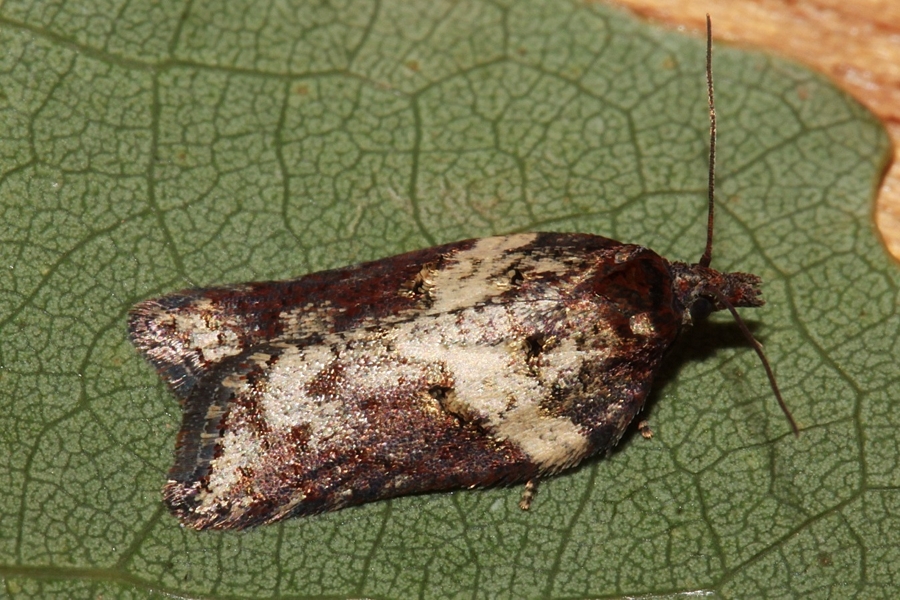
695, 344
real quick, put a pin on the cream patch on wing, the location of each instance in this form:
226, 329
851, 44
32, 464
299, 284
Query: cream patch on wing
552, 442
481, 351
492, 379
202, 330
470, 278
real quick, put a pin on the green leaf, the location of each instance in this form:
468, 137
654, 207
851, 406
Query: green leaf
148, 146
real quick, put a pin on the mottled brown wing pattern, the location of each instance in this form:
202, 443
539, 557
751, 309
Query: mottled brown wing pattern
493, 361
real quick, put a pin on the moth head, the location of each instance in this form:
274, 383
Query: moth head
703, 290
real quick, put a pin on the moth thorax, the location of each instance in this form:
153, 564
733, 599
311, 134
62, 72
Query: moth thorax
701, 290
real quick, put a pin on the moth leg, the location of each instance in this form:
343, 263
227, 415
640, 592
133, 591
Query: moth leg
528, 494
644, 428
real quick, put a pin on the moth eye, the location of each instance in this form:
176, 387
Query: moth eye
700, 309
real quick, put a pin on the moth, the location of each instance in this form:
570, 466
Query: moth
481, 362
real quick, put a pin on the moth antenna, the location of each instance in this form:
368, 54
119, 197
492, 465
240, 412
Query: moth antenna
711, 187
706, 258
759, 351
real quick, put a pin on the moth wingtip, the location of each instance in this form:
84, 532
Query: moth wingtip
176, 337
180, 498
139, 323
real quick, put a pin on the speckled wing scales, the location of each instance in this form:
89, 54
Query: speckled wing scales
187, 334
481, 362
